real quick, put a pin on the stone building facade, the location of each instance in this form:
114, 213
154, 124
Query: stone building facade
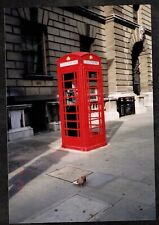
37, 37
129, 54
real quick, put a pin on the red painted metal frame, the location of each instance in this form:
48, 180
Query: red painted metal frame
83, 128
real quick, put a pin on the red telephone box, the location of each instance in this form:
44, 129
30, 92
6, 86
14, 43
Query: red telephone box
81, 101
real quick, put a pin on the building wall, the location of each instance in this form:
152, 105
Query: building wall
113, 42
123, 34
64, 29
63, 36
17, 85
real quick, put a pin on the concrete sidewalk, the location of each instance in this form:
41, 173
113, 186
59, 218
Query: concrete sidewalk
120, 176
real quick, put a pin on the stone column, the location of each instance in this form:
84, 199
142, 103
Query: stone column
143, 72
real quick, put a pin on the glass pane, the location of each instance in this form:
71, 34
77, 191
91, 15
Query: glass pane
93, 98
92, 75
71, 109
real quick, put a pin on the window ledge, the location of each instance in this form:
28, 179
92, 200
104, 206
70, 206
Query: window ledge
37, 77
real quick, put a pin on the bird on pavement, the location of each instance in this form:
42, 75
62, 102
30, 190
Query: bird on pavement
80, 181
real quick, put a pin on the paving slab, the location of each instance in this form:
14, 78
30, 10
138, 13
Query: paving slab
98, 179
127, 210
75, 209
69, 173
38, 195
96, 193
132, 190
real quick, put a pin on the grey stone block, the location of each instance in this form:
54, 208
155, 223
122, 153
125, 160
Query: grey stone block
65, 48
58, 25
11, 82
40, 15
13, 38
132, 190
21, 12
16, 30
126, 210
15, 56
8, 11
15, 12
53, 30
19, 65
69, 14
10, 64
46, 17
58, 10
17, 47
47, 191
72, 22
99, 179
75, 209
14, 73
65, 34
53, 16
56, 46
10, 20
8, 28
20, 133
59, 40
69, 173
27, 13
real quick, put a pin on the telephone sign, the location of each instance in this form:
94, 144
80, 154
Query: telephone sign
71, 63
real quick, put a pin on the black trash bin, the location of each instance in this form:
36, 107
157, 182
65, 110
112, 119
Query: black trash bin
126, 106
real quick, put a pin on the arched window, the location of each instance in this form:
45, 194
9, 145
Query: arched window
33, 47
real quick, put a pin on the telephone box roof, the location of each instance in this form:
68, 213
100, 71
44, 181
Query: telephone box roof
78, 55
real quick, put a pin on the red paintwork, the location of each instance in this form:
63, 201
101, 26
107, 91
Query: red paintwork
76, 113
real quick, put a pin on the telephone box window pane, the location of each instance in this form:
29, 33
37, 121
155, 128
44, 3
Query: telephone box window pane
70, 89
93, 103
93, 86
95, 130
92, 75
70, 100
71, 117
73, 133
93, 83
71, 109
69, 76
71, 125
94, 121
92, 90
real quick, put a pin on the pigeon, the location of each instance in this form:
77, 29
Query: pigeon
80, 181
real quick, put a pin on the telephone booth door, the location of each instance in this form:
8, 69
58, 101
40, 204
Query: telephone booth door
81, 102
69, 113
95, 104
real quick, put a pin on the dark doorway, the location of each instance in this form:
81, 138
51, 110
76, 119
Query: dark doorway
38, 117
137, 49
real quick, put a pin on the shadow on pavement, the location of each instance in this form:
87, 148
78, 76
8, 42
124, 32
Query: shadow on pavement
23, 151
26, 150
29, 173
111, 128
